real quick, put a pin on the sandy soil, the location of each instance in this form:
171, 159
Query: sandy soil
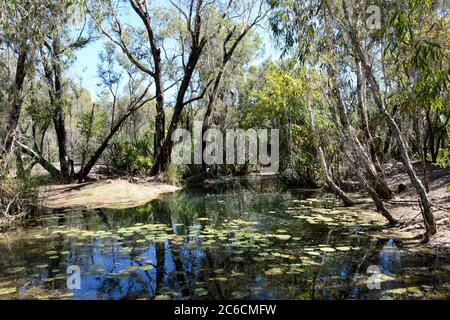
110, 193
405, 206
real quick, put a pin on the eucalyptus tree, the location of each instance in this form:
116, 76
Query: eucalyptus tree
247, 17
166, 43
53, 51
116, 72
56, 53
17, 49
363, 56
357, 30
21, 25
305, 32
63, 31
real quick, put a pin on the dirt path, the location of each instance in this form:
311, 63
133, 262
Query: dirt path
110, 193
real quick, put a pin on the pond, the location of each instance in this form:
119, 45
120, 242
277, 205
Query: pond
246, 239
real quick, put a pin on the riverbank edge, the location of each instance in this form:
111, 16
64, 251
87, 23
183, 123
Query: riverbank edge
109, 193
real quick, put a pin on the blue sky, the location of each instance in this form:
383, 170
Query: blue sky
87, 60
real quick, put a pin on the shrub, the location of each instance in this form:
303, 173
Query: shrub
173, 174
18, 194
132, 157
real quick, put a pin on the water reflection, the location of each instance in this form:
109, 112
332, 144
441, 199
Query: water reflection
390, 258
243, 239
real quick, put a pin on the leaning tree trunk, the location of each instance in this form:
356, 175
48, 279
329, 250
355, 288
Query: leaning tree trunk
331, 184
429, 220
371, 191
379, 183
85, 170
378, 203
88, 138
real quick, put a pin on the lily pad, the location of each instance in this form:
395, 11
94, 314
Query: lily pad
146, 268
327, 249
238, 294
5, 291
201, 292
274, 271
283, 237
162, 297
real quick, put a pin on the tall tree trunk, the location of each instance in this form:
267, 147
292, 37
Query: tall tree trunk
156, 74
331, 184
159, 130
209, 109
362, 108
162, 161
160, 121
53, 74
58, 118
15, 96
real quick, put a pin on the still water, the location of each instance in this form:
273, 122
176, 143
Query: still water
245, 239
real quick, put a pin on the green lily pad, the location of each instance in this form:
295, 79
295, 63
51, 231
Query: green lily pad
146, 268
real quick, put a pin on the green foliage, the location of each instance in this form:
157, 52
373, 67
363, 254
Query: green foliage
132, 157
91, 126
444, 159
280, 101
420, 53
173, 174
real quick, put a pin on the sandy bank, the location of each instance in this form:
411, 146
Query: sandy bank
405, 206
111, 193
